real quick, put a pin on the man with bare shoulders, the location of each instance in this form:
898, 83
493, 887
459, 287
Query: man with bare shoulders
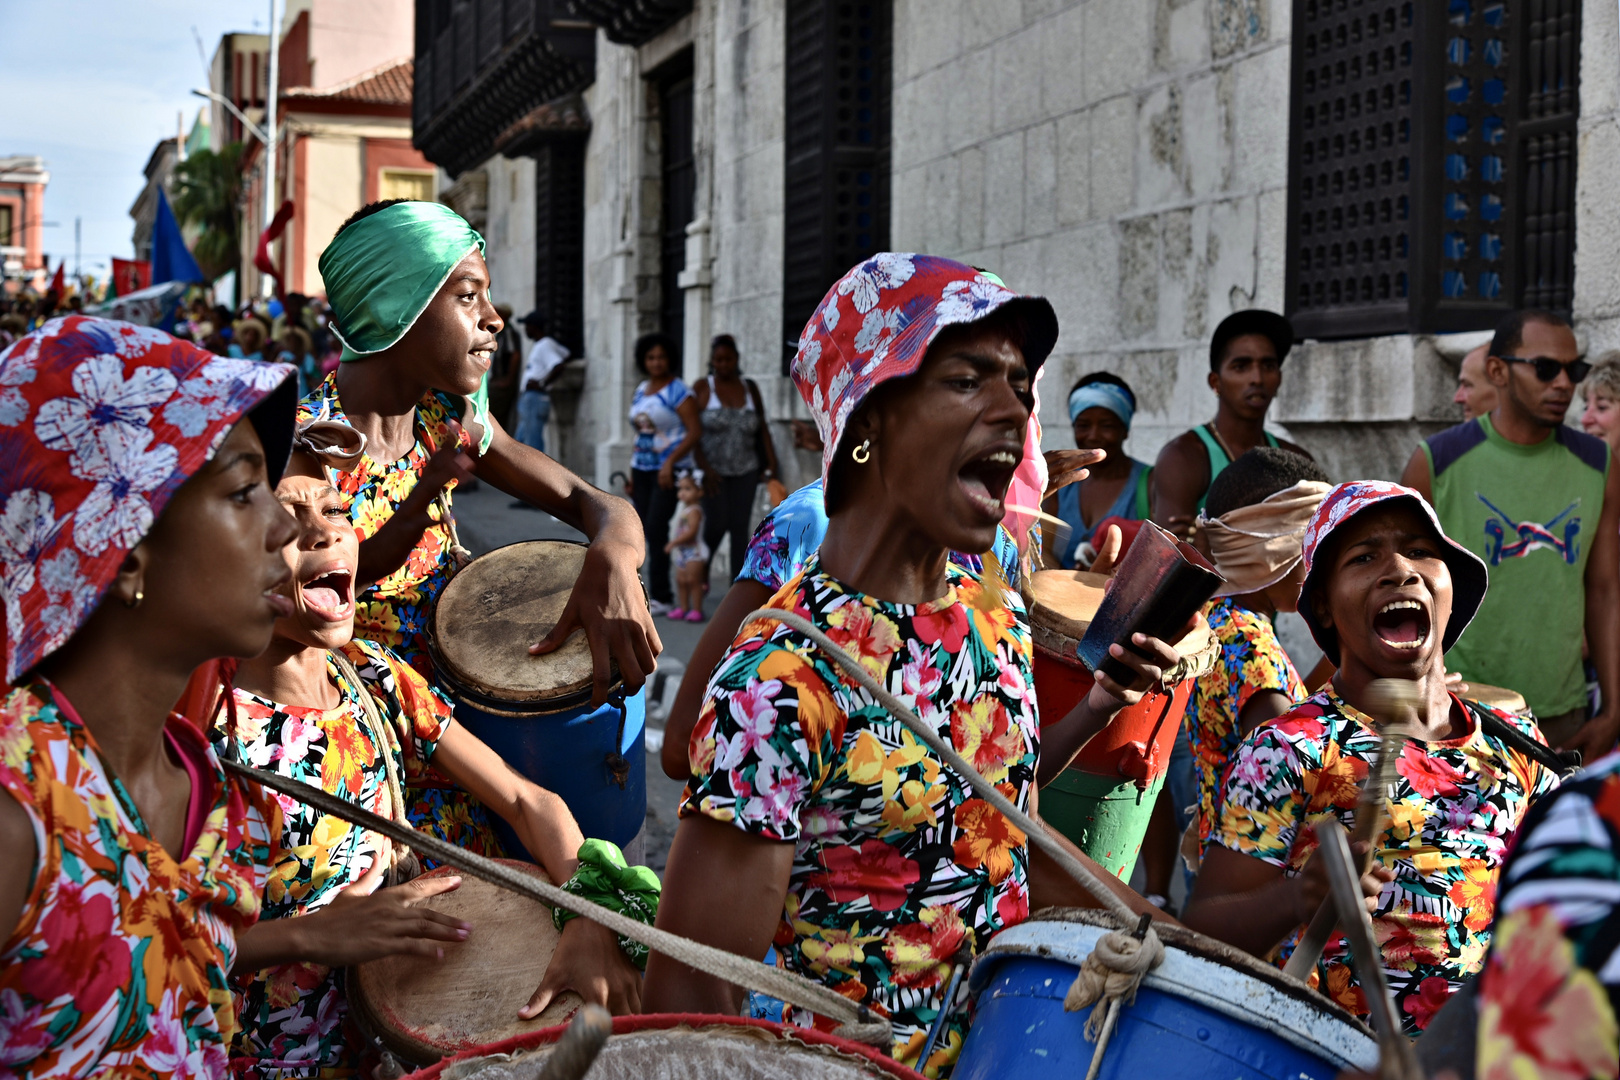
1245, 370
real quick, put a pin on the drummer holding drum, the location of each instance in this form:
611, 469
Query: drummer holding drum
812, 817
409, 293
349, 716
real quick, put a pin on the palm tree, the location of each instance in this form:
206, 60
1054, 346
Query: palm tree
207, 189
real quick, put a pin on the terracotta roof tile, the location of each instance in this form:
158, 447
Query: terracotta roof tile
387, 84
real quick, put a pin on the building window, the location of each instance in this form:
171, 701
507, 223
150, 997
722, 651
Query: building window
837, 131
5, 226
1431, 165
678, 188
559, 238
405, 184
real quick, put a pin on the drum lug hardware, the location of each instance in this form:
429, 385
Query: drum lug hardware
388, 1066
619, 767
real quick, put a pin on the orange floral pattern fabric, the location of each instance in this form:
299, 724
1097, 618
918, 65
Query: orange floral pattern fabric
897, 865
120, 959
1550, 993
1453, 809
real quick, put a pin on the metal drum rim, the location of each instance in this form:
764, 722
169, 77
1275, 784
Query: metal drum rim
1187, 976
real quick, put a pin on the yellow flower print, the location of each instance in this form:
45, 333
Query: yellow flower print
1250, 829
871, 637
993, 620
369, 515
819, 714
915, 807
1405, 819
828, 949
985, 735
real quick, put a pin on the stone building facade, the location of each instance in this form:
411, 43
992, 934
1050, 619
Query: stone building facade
1130, 159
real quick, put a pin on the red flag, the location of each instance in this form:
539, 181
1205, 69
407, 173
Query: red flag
261, 257
131, 274
58, 284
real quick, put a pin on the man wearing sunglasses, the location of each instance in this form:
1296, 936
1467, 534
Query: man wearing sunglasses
1539, 501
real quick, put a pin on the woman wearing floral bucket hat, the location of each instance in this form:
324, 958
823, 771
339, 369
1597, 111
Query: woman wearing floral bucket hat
1385, 594
140, 538
824, 816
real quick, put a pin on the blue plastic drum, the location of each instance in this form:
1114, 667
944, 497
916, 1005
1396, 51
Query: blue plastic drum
570, 753
535, 711
1208, 1012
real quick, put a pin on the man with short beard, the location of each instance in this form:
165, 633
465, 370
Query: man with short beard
1385, 595
1540, 502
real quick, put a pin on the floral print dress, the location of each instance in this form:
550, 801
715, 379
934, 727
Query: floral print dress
1453, 810
1252, 660
294, 1018
395, 611
896, 864
1550, 993
119, 962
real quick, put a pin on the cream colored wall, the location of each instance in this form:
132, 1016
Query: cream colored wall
348, 37
334, 178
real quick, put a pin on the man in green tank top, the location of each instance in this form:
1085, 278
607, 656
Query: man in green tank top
1540, 502
1245, 370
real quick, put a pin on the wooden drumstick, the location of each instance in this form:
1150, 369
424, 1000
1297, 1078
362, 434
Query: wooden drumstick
1391, 703
1397, 1060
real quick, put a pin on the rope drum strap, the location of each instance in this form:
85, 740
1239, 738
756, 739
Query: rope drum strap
857, 1023
379, 731
1124, 957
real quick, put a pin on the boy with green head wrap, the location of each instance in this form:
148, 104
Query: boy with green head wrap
409, 293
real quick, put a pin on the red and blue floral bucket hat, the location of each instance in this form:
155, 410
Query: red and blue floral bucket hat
100, 424
877, 321
1469, 577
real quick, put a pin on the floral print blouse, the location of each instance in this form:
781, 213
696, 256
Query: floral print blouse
120, 959
1550, 992
293, 1017
896, 864
1453, 810
395, 611
1252, 660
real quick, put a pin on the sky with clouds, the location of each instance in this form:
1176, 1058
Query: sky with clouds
92, 86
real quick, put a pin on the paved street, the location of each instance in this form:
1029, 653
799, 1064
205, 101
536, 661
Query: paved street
487, 519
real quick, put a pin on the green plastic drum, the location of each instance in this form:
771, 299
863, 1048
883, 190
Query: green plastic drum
1105, 816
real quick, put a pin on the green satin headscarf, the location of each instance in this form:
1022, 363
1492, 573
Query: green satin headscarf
382, 271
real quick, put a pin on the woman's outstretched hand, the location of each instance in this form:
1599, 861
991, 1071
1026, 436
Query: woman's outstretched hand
1065, 467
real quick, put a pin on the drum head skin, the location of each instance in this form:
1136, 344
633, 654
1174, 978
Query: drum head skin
499, 605
1066, 600
1498, 697
682, 1046
424, 1009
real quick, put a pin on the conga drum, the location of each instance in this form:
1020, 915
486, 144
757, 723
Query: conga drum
687, 1047
424, 1009
535, 711
1209, 1012
1497, 697
1104, 799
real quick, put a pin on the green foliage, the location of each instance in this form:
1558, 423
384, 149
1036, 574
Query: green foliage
207, 191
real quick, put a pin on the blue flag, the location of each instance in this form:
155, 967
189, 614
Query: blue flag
171, 259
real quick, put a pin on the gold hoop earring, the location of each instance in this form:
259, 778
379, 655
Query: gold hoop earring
862, 453
136, 602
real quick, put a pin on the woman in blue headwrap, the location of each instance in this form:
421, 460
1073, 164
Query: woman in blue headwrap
409, 294
1101, 406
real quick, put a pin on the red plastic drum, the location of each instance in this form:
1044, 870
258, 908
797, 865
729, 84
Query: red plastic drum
684, 1046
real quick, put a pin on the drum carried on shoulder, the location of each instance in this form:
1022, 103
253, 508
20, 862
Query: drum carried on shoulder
535, 711
1104, 799
423, 1009
1209, 1012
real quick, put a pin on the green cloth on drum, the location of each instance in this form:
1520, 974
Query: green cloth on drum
382, 272
604, 878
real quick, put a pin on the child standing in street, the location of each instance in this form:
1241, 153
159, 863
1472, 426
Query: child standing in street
687, 551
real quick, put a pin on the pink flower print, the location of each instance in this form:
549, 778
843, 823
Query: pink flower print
167, 1049
296, 736
1012, 677
779, 788
117, 511
820, 820
27, 1029
28, 526
919, 679
887, 270
755, 715
109, 420
965, 301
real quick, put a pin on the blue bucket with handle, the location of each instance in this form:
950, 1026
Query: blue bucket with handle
1209, 1012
